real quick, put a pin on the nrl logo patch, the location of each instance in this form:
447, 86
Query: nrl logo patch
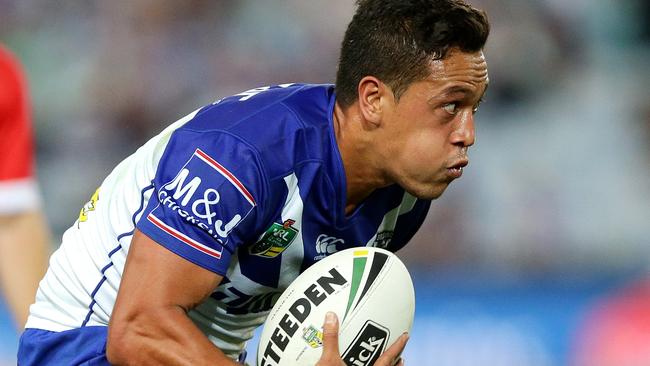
313, 336
275, 240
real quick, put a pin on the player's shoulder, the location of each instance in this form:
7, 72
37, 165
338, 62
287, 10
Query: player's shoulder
274, 122
269, 105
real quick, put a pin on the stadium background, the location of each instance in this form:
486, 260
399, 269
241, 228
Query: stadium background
514, 262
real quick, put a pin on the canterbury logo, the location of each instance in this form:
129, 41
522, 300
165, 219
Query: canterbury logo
327, 244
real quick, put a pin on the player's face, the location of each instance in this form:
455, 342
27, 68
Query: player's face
428, 131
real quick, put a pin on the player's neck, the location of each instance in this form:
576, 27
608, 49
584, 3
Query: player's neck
362, 176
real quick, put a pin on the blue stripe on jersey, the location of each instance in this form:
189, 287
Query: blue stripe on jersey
99, 285
110, 254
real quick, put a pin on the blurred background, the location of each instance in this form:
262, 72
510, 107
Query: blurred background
539, 255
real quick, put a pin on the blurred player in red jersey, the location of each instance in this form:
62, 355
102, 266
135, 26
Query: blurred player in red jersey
24, 244
616, 330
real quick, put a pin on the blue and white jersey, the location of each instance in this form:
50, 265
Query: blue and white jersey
251, 187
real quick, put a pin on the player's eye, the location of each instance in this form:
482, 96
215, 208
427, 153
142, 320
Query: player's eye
450, 108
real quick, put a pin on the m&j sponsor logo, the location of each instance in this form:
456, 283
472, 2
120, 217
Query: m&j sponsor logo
197, 194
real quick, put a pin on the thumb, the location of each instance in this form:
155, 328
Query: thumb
331, 336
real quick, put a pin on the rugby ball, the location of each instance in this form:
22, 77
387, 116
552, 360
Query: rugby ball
368, 288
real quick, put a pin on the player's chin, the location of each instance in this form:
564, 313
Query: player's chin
430, 191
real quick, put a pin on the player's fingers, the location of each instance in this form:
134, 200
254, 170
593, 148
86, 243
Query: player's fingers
331, 337
389, 356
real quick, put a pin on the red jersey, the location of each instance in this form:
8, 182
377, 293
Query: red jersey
17, 183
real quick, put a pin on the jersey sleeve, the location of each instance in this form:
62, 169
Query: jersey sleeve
18, 188
209, 198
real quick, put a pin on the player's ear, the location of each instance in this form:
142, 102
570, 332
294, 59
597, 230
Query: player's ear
371, 91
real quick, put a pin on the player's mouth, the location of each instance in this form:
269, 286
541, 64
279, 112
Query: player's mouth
456, 170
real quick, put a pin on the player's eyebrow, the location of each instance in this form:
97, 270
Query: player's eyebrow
456, 89
450, 91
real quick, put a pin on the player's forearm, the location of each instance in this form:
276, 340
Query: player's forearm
24, 249
161, 337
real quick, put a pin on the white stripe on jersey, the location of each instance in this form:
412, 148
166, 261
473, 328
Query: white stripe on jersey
292, 256
390, 219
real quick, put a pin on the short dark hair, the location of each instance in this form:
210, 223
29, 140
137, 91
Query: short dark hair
394, 40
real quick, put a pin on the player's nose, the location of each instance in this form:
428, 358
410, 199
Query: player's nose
464, 135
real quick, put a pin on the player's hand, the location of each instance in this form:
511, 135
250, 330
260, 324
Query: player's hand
332, 357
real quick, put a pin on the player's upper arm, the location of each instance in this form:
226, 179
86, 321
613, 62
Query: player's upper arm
149, 324
154, 276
